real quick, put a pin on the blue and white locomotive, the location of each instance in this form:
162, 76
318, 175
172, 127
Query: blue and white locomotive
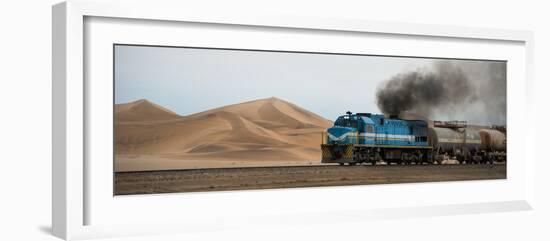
365, 137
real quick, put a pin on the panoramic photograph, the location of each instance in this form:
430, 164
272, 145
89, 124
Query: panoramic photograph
190, 119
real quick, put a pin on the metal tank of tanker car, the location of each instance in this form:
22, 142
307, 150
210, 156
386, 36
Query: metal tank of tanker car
492, 140
448, 140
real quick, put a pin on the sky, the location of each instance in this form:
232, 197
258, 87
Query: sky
190, 80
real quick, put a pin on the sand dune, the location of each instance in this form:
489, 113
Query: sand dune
256, 133
142, 110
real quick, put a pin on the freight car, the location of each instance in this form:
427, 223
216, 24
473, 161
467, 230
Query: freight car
493, 144
467, 144
365, 137
369, 138
454, 139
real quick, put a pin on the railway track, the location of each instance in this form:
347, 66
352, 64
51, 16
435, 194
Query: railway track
224, 169
239, 178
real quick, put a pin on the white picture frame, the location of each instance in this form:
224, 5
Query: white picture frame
73, 194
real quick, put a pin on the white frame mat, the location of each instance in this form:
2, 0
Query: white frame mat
74, 111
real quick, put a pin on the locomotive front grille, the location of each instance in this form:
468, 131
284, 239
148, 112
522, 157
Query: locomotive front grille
336, 153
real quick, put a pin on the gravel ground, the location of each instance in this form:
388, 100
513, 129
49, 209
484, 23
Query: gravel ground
199, 180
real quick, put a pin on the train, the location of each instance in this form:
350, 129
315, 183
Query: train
357, 138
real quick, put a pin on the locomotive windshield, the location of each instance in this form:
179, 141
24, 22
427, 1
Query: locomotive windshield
346, 121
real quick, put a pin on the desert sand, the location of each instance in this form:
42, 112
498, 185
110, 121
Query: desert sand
265, 132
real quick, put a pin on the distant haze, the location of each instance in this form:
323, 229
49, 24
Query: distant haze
191, 80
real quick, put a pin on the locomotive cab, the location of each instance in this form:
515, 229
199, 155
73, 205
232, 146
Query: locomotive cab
343, 127
349, 129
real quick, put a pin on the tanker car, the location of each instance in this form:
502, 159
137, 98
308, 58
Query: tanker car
370, 138
467, 144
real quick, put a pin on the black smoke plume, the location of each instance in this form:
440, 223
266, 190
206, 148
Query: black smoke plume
474, 91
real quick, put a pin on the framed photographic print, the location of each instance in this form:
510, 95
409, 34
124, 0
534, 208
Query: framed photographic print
290, 124
201, 122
